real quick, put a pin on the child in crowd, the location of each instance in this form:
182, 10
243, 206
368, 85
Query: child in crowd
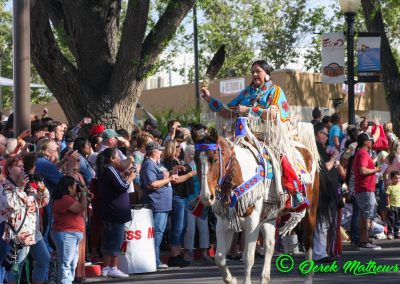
393, 204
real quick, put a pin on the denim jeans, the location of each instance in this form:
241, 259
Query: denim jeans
4, 250
41, 262
113, 237
202, 226
67, 254
48, 212
355, 226
178, 220
160, 222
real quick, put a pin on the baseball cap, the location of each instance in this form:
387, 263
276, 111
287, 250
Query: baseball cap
109, 133
151, 146
150, 122
97, 129
364, 136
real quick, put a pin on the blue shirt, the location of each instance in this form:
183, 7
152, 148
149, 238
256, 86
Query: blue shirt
49, 172
85, 170
160, 198
335, 131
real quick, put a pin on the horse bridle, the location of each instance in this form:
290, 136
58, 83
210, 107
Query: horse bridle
202, 147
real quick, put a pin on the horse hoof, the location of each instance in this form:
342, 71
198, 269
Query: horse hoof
232, 281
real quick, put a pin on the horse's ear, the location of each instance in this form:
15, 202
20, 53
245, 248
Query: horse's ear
197, 135
214, 135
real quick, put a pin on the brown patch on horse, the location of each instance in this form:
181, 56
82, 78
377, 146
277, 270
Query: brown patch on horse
231, 172
308, 159
249, 211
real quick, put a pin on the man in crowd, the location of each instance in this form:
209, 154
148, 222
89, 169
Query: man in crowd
328, 197
364, 186
316, 115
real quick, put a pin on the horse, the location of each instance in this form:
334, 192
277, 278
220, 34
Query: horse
223, 166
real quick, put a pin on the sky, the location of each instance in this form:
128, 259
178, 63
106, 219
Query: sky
176, 79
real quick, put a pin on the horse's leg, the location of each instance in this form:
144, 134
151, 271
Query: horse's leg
224, 239
268, 229
309, 225
252, 229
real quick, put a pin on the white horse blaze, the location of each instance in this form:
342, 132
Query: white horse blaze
205, 194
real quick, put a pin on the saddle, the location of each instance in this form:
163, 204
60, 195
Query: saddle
294, 177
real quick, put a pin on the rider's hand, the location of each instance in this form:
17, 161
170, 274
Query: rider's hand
242, 109
205, 94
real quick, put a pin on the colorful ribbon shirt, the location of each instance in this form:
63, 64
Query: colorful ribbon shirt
258, 98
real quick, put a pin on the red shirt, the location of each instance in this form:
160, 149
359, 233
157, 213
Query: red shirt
64, 219
363, 183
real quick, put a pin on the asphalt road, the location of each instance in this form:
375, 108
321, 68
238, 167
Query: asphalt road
209, 273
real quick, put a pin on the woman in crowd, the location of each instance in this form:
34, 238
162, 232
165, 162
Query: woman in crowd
22, 200
156, 187
69, 203
261, 97
388, 128
115, 207
82, 145
138, 155
76, 165
181, 188
192, 221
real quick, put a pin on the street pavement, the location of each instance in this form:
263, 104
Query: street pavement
208, 272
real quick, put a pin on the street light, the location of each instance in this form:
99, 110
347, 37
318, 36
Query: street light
349, 8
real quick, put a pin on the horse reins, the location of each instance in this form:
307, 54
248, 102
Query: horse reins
212, 147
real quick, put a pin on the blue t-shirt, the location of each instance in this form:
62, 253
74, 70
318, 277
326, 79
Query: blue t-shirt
335, 131
160, 198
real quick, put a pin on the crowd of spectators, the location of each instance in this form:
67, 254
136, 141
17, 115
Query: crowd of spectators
363, 163
67, 193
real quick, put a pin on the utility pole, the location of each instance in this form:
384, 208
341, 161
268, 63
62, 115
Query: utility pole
196, 58
21, 65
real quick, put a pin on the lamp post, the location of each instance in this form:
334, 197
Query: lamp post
349, 8
196, 58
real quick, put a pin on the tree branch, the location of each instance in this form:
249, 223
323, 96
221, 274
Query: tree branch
161, 34
391, 76
55, 70
92, 29
130, 46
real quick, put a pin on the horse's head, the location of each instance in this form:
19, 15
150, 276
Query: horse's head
213, 155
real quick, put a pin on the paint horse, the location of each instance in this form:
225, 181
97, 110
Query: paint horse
226, 170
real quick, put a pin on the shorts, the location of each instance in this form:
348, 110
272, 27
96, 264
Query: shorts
113, 236
366, 203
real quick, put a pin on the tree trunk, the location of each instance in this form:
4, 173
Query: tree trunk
106, 75
390, 70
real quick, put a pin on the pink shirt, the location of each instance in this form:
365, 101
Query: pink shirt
394, 166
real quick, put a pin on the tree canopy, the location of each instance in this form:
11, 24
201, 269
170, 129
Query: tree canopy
95, 56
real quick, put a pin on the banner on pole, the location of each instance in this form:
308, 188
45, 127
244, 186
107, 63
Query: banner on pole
333, 58
369, 57
231, 87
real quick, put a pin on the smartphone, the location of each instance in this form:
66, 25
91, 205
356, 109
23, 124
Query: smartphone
370, 123
87, 120
32, 148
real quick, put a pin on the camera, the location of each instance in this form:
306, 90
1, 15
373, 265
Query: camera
79, 187
35, 177
32, 148
9, 261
